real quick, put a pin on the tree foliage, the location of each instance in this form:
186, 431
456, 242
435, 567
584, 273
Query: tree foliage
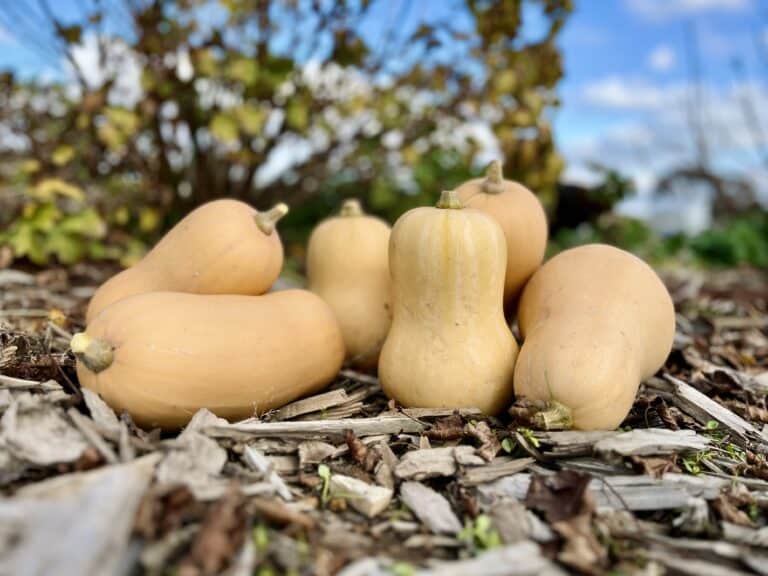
305, 101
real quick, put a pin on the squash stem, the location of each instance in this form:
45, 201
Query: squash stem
95, 354
555, 416
350, 208
266, 220
494, 179
449, 200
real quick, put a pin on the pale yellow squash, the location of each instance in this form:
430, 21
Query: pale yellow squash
164, 355
596, 321
521, 217
347, 265
449, 345
222, 247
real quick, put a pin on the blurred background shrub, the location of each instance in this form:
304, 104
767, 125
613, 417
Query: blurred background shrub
185, 101
163, 105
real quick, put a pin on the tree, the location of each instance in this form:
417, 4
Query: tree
298, 100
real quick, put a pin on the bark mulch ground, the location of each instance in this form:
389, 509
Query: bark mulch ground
346, 482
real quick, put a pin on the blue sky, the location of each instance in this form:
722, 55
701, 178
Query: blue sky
628, 78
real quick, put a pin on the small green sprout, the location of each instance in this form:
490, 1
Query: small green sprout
325, 474
481, 533
527, 433
508, 445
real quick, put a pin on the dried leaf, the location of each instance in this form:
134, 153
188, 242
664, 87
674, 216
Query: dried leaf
489, 444
220, 537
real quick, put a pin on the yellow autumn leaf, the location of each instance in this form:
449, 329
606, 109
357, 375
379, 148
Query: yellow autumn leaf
251, 118
48, 188
224, 127
62, 155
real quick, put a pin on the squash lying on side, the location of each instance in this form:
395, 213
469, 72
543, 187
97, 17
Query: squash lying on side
347, 267
222, 247
521, 217
163, 355
449, 345
596, 321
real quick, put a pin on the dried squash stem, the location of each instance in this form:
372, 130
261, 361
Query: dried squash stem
266, 221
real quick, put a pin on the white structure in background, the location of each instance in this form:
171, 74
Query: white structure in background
686, 211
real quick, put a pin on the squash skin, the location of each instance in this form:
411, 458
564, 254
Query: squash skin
348, 267
217, 248
522, 218
449, 345
174, 353
596, 321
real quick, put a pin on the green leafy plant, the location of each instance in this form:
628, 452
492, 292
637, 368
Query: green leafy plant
480, 533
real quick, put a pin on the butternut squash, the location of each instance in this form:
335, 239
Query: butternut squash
347, 266
163, 355
222, 247
596, 321
521, 217
449, 345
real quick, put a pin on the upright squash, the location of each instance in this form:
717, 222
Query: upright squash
222, 247
347, 266
449, 345
163, 355
596, 322
521, 217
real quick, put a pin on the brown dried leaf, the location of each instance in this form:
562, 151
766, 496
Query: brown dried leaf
489, 444
164, 509
367, 459
220, 537
727, 509
655, 466
560, 496
447, 428
569, 507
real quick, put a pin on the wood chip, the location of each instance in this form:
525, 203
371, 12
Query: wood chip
368, 499
421, 464
38, 432
312, 452
648, 441
702, 408
431, 508
635, 493
384, 424
9, 383
76, 524
499, 468
312, 404
101, 413
257, 461
88, 429
522, 559
195, 461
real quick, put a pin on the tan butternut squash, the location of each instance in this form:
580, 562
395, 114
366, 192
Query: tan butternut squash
222, 247
163, 355
521, 217
596, 321
347, 265
449, 345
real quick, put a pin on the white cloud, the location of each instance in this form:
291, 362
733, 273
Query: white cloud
5, 36
617, 92
662, 59
120, 63
663, 9
661, 138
